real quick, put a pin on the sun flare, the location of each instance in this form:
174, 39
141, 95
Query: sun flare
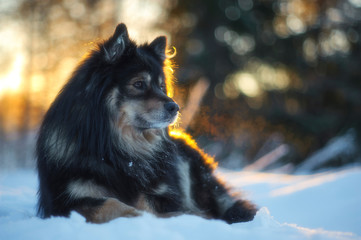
11, 80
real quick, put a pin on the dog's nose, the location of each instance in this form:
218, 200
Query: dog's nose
171, 107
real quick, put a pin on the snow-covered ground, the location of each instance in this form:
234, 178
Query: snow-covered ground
315, 206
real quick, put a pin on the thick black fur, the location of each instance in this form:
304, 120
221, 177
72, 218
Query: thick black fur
78, 142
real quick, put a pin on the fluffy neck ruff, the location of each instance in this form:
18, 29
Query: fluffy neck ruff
141, 149
140, 143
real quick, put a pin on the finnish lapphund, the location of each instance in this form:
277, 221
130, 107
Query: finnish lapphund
105, 149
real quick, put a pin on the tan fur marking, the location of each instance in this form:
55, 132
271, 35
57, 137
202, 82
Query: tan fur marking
152, 135
144, 76
153, 104
142, 204
139, 143
144, 143
111, 209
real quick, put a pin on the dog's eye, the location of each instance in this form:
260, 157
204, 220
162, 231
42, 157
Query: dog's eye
139, 85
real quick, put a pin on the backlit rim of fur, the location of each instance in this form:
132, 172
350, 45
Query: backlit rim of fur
168, 69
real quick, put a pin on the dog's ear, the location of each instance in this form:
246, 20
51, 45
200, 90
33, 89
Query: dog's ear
159, 46
116, 44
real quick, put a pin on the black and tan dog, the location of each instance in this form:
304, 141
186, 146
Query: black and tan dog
105, 151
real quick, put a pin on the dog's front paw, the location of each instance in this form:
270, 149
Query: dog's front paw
241, 211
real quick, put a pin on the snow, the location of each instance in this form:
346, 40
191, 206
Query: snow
329, 200
315, 206
340, 147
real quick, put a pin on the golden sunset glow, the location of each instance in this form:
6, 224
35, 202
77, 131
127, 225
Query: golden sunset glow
169, 65
11, 81
36, 64
227, 76
180, 134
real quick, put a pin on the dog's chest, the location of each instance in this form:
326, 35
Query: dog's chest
178, 183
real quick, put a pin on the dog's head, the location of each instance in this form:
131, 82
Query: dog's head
138, 97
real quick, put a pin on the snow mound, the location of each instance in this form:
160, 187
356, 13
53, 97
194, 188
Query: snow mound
18, 220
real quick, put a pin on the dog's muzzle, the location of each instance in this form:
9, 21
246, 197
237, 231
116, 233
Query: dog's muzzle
171, 107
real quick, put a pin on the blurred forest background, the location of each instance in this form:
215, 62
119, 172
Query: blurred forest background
263, 85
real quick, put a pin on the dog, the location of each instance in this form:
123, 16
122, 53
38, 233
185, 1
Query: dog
105, 149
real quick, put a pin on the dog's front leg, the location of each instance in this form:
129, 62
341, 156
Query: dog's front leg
106, 210
215, 199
